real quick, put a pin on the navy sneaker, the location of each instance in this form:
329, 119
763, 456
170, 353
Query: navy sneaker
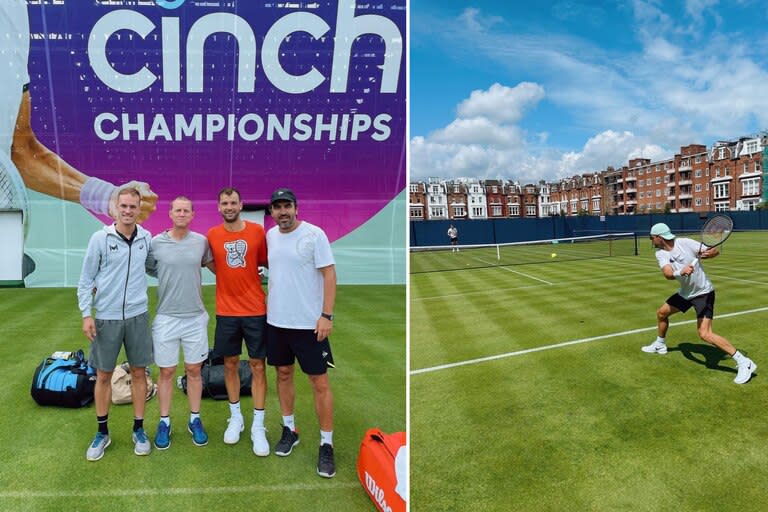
163, 436
288, 440
326, 467
199, 435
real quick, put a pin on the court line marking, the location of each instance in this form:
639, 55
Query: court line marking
177, 491
569, 343
510, 270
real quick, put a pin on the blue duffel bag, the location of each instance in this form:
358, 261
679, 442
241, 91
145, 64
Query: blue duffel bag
66, 382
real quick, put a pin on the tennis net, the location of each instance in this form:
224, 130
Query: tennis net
443, 258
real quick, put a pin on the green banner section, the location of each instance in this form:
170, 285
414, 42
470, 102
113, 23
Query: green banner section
372, 254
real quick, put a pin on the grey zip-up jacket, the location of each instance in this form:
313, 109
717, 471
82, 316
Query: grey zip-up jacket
116, 269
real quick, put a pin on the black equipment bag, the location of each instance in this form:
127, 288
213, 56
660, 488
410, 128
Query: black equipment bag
65, 382
212, 374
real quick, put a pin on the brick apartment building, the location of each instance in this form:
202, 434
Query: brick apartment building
728, 176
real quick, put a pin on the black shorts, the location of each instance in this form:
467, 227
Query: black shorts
454, 240
286, 345
703, 304
232, 330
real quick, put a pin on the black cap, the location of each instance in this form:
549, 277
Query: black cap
283, 194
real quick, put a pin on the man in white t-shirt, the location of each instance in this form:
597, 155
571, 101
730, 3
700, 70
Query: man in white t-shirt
676, 257
453, 235
302, 293
40, 168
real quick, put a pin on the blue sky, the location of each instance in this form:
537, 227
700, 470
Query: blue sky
542, 90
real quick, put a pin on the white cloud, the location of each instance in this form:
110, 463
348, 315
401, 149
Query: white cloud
501, 103
483, 148
478, 130
681, 83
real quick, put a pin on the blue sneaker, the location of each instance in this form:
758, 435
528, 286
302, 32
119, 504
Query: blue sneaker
199, 435
163, 436
141, 442
99, 444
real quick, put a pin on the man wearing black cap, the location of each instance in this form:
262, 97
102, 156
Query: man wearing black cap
302, 293
675, 257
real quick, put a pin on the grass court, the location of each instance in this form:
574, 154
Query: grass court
43, 467
529, 392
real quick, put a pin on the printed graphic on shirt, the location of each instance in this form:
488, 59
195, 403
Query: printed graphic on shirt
236, 251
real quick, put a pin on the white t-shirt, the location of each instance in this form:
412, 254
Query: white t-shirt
14, 52
295, 298
683, 254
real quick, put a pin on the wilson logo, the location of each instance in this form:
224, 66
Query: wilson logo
377, 493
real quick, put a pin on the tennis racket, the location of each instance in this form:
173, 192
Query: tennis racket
715, 231
13, 193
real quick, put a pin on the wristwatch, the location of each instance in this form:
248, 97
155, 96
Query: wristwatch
327, 316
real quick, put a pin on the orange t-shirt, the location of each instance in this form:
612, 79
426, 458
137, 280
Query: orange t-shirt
237, 257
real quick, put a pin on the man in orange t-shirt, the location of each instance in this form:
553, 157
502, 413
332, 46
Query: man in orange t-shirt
239, 248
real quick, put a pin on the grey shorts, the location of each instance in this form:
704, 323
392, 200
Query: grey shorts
111, 335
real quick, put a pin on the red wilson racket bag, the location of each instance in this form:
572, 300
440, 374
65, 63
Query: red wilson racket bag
376, 469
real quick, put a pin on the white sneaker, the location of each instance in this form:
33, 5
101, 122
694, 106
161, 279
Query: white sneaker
656, 347
745, 371
235, 426
260, 443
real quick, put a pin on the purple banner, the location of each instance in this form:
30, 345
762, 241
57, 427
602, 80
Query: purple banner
192, 96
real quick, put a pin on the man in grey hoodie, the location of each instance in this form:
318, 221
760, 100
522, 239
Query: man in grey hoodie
113, 283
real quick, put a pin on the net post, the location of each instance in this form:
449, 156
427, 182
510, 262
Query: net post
498, 252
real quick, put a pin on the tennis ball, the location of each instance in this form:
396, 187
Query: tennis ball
554, 254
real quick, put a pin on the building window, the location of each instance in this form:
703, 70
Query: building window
720, 153
496, 211
438, 212
642, 195
514, 210
458, 211
717, 172
721, 191
596, 203
414, 187
417, 213
658, 193
698, 187
751, 146
648, 182
758, 167
530, 211
477, 212
721, 207
658, 180
698, 159
698, 173
750, 187
698, 201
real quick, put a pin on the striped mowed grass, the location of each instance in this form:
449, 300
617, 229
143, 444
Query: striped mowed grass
529, 390
44, 466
